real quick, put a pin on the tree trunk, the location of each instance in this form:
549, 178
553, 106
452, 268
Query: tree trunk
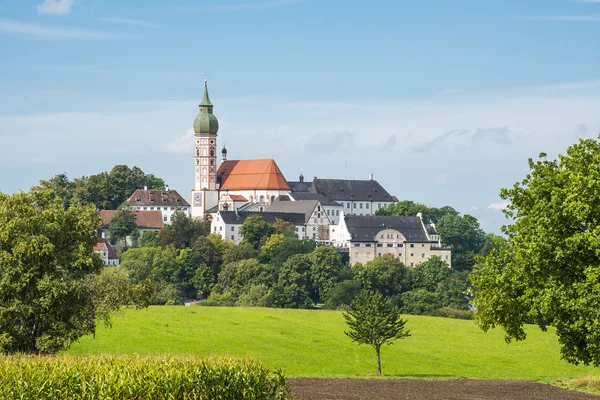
378, 351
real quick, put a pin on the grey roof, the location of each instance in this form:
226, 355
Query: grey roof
431, 229
233, 218
350, 190
149, 197
364, 228
246, 207
306, 208
314, 196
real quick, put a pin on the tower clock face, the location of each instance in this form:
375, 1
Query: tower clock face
198, 199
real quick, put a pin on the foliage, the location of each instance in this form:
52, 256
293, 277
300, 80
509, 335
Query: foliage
111, 289
165, 294
450, 312
256, 230
183, 231
46, 252
122, 225
548, 269
158, 264
239, 277
285, 228
453, 290
464, 236
385, 274
325, 270
225, 299
294, 287
429, 274
242, 251
374, 320
287, 248
342, 293
207, 260
256, 296
421, 302
111, 377
148, 239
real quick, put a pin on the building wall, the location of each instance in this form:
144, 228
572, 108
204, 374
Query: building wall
362, 207
167, 211
232, 231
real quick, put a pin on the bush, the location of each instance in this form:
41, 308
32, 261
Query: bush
257, 296
215, 299
450, 312
137, 378
421, 302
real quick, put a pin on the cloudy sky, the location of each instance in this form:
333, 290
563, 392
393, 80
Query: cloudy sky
443, 101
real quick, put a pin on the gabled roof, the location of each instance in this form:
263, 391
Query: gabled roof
314, 196
431, 229
151, 197
143, 219
350, 190
104, 245
306, 208
364, 228
250, 175
233, 218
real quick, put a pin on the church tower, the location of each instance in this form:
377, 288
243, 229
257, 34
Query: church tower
206, 126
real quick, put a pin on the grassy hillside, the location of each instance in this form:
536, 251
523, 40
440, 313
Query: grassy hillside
312, 344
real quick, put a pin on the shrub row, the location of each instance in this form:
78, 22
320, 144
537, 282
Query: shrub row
113, 377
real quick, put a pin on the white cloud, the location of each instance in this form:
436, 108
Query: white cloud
183, 144
500, 205
40, 31
55, 7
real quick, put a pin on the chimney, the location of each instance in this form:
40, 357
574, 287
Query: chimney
145, 188
167, 188
371, 176
420, 215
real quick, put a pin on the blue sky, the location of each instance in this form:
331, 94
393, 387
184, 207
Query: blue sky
443, 101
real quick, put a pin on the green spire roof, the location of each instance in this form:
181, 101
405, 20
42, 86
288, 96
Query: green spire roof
206, 122
206, 99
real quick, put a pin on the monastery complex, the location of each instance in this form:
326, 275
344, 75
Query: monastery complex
333, 212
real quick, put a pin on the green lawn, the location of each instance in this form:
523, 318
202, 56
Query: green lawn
309, 343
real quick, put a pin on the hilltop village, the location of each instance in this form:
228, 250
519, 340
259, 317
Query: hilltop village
333, 212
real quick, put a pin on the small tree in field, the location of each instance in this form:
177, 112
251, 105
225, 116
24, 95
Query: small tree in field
374, 320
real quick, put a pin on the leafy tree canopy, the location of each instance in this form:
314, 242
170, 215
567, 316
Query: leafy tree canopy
385, 274
122, 225
46, 255
548, 268
256, 230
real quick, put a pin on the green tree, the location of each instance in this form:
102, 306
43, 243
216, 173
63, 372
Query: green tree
421, 302
385, 274
403, 208
464, 236
374, 320
285, 228
183, 231
122, 225
256, 230
60, 186
242, 251
148, 239
325, 270
548, 268
429, 274
46, 255
294, 287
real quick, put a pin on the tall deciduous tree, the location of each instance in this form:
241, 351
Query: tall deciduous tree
375, 321
256, 230
46, 253
122, 225
385, 274
548, 269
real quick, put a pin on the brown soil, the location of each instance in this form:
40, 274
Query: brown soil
409, 389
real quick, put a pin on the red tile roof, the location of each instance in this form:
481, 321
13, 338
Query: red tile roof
143, 219
150, 197
251, 174
104, 245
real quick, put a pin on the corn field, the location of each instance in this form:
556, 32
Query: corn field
126, 377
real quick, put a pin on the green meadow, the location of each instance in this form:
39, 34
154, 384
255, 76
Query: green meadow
311, 343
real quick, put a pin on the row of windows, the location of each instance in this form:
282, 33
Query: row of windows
336, 213
381, 245
159, 208
360, 205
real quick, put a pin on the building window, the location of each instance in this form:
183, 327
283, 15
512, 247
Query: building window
412, 254
390, 245
232, 237
379, 245
171, 217
412, 245
328, 212
348, 206
314, 229
232, 228
337, 213
360, 205
423, 245
379, 255
446, 257
262, 199
422, 255
399, 254
165, 218
356, 244
354, 205
165, 208
318, 215
302, 229
379, 205
172, 208
220, 229
368, 245
145, 208
272, 199
412, 264
315, 220
318, 208
251, 199
366, 205
400, 245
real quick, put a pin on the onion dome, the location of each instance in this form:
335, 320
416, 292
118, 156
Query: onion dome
206, 122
